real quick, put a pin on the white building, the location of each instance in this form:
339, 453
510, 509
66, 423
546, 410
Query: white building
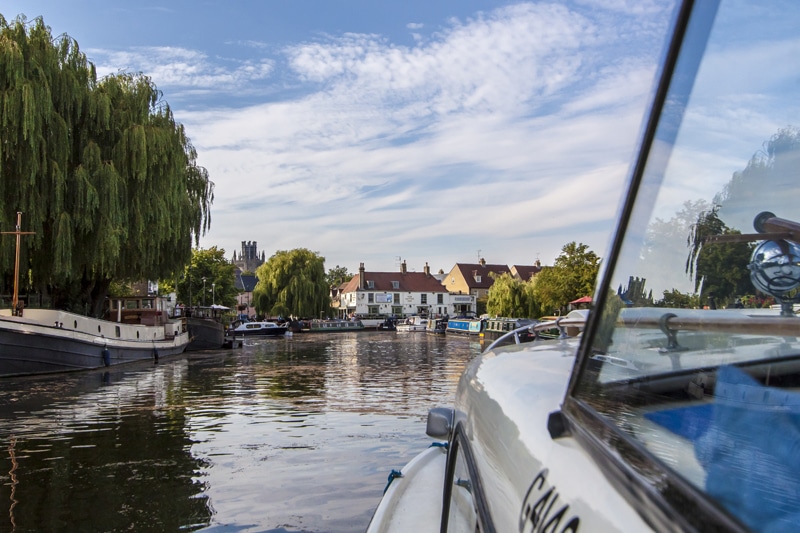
373, 294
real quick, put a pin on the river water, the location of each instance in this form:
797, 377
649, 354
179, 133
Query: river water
280, 435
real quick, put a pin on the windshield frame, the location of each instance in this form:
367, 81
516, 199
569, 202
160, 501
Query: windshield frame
661, 496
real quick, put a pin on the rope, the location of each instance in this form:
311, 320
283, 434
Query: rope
394, 474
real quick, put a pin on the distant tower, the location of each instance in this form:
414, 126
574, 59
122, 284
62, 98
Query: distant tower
249, 258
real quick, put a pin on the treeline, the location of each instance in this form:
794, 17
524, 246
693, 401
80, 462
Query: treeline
100, 169
549, 292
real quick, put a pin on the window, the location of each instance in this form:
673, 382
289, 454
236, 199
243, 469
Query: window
370, 297
462, 515
423, 298
370, 284
396, 298
465, 505
690, 382
372, 309
395, 285
440, 299
477, 278
397, 310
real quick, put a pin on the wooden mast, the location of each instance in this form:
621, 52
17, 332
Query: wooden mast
18, 233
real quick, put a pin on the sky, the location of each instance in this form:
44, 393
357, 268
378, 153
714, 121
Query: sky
377, 132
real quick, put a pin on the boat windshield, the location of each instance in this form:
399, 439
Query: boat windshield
694, 354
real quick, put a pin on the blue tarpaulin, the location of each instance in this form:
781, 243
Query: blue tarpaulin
748, 441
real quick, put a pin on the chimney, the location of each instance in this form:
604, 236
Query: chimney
362, 283
483, 262
427, 270
537, 263
403, 267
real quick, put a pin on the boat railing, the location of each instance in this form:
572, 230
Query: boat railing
670, 324
730, 322
563, 324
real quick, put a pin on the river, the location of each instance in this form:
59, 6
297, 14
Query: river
281, 435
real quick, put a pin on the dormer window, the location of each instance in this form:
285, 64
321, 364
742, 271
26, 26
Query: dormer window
395, 284
370, 284
477, 278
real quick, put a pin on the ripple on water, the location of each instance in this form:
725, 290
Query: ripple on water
281, 435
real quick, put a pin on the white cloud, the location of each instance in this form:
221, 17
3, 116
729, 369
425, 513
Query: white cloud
510, 132
631, 7
179, 68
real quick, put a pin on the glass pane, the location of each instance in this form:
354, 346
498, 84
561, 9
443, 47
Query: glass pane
463, 516
697, 355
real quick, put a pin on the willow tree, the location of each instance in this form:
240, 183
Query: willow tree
720, 269
104, 175
292, 283
511, 297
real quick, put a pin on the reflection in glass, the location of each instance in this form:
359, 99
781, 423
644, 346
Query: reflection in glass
696, 358
463, 516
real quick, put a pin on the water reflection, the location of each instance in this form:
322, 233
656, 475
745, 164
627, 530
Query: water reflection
297, 434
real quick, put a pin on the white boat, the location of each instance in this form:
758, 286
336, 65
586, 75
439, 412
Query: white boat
654, 418
38, 341
262, 328
371, 322
412, 323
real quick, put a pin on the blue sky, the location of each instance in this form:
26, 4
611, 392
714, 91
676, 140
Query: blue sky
369, 131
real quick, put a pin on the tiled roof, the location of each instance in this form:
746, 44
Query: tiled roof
469, 270
525, 272
410, 281
245, 282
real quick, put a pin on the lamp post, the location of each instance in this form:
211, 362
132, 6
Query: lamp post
204, 291
213, 294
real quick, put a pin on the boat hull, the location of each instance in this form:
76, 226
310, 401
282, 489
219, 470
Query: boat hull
437, 327
406, 328
33, 346
206, 334
413, 500
413, 323
465, 326
334, 326
497, 327
271, 332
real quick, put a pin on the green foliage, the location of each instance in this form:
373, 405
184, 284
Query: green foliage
511, 297
572, 276
120, 288
720, 268
292, 283
680, 300
102, 172
338, 275
219, 284
772, 171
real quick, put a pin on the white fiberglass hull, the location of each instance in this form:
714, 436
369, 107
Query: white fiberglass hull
413, 502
